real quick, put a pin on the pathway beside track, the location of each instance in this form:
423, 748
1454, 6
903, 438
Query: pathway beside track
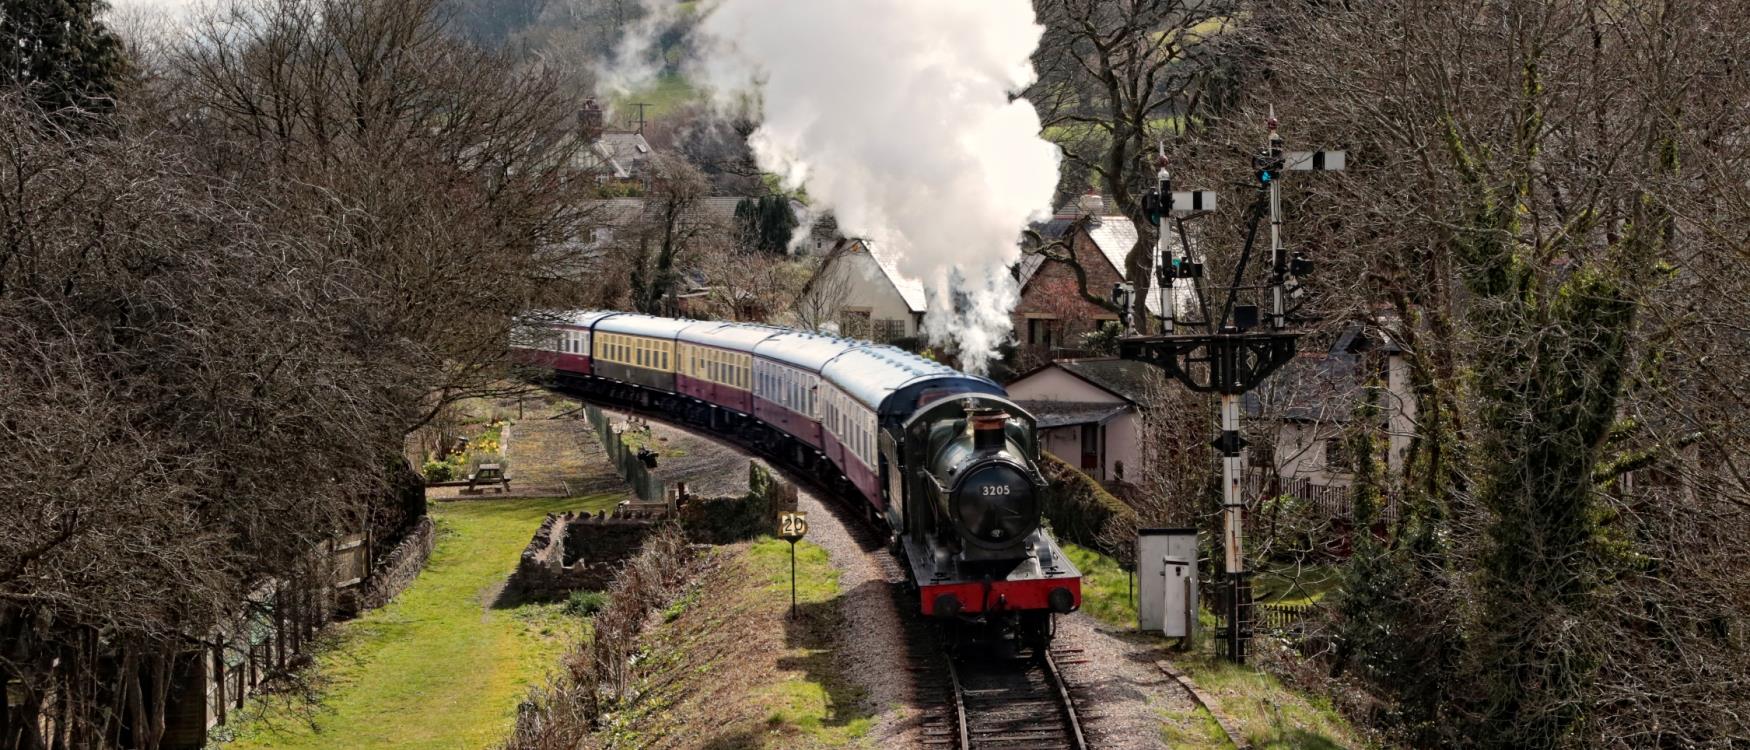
440, 667
447, 662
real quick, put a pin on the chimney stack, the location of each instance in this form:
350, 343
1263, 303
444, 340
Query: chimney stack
590, 119
1093, 205
987, 428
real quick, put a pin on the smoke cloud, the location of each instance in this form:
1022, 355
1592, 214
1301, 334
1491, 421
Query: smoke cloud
899, 116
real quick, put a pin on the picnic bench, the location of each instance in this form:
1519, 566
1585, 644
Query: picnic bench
489, 474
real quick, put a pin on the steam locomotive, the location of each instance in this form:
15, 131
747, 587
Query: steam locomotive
941, 458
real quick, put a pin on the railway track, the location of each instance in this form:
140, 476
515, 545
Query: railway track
981, 700
995, 702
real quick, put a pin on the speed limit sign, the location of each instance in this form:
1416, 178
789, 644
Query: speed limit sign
792, 525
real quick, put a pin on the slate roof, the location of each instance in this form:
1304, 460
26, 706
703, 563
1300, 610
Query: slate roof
1313, 387
619, 153
716, 212
1066, 413
1322, 386
1126, 379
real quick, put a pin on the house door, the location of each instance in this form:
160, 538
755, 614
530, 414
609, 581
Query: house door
1091, 449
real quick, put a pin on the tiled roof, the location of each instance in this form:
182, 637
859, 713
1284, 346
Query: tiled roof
1051, 414
1321, 386
618, 153
1127, 379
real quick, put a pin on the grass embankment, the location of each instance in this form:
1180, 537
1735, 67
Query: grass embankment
740, 673
439, 667
1268, 713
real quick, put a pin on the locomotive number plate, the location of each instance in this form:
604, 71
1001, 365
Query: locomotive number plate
792, 525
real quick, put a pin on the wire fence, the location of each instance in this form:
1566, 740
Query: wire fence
625, 458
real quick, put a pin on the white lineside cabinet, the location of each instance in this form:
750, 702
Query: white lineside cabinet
1166, 586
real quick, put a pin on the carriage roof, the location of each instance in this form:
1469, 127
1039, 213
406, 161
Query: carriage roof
636, 324
740, 337
869, 375
808, 351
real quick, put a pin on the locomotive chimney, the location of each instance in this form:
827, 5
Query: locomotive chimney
987, 428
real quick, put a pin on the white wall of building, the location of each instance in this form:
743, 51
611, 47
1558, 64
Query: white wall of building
1122, 431
865, 288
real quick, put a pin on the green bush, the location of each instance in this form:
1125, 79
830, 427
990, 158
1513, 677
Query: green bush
1083, 512
438, 471
585, 603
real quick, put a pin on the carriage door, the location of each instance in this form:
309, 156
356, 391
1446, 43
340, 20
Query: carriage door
892, 481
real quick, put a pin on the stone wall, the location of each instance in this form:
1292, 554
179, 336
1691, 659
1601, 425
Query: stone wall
572, 552
397, 569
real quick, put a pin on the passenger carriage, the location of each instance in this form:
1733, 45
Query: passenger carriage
637, 349
562, 344
715, 363
786, 381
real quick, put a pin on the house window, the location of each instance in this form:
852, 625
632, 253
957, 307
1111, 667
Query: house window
1337, 456
1262, 454
1044, 332
886, 330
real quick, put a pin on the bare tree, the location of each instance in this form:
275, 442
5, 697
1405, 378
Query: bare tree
1549, 213
451, 170
1115, 79
822, 299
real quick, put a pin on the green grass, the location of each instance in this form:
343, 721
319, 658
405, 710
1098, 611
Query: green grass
1195, 728
668, 94
800, 704
1289, 584
438, 667
816, 579
1106, 588
1269, 714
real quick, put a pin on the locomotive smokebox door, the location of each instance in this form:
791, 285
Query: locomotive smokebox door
1166, 585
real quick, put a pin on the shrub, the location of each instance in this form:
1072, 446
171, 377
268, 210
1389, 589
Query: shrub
585, 603
438, 471
1082, 511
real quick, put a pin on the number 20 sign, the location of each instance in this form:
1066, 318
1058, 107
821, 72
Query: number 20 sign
792, 525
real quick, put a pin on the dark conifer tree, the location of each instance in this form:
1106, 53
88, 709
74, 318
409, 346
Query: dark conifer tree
61, 53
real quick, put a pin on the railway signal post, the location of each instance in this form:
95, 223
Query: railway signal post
792, 526
1230, 353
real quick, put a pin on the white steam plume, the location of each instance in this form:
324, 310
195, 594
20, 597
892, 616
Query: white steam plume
898, 116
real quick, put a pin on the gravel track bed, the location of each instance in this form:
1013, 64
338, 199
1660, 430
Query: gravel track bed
1119, 692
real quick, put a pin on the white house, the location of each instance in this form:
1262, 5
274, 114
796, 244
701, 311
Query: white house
1087, 412
859, 289
1300, 414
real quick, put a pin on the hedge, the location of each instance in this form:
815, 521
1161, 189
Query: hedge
1083, 512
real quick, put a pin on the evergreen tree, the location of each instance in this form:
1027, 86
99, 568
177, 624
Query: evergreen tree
61, 53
